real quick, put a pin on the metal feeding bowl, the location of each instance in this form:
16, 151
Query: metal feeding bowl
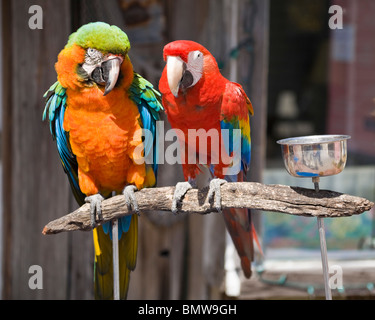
314, 156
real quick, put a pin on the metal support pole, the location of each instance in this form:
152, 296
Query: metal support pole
116, 273
323, 248
323, 251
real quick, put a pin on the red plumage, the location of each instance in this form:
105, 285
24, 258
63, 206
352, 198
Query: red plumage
206, 104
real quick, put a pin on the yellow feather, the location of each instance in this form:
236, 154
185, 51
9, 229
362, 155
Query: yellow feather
103, 265
128, 245
150, 180
98, 252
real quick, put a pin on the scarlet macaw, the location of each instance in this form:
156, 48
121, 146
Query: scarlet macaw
96, 111
196, 96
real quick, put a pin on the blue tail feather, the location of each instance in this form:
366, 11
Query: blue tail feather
123, 226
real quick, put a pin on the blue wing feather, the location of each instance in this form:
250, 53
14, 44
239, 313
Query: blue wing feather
231, 145
147, 99
55, 109
236, 110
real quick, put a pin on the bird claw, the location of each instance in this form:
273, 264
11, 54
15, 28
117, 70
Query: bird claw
130, 199
179, 193
214, 192
95, 208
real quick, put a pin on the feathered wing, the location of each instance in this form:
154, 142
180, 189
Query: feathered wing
148, 102
236, 110
54, 111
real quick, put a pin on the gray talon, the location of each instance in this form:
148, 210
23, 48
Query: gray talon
95, 208
180, 191
130, 199
215, 193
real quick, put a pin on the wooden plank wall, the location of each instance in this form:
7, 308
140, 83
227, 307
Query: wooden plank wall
179, 257
38, 188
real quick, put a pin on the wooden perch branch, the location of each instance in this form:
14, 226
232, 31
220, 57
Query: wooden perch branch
277, 198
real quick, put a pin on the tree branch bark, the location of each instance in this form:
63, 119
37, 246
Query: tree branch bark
277, 198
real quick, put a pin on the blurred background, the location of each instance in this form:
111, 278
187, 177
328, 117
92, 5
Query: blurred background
302, 77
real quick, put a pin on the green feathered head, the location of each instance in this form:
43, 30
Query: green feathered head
101, 36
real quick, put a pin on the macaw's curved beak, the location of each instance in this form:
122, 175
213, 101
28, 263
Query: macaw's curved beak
175, 71
107, 73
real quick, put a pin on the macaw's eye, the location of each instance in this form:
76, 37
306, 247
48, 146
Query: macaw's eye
91, 51
93, 56
197, 54
194, 69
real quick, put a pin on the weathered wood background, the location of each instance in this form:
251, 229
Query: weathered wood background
178, 257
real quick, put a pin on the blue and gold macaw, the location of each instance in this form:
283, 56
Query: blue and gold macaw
97, 110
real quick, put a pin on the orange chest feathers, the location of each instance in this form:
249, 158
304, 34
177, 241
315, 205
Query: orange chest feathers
104, 132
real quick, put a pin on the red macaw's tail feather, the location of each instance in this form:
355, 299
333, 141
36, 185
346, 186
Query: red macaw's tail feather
239, 226
242, 231
256, 239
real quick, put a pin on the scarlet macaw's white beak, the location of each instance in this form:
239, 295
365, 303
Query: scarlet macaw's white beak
175, 70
